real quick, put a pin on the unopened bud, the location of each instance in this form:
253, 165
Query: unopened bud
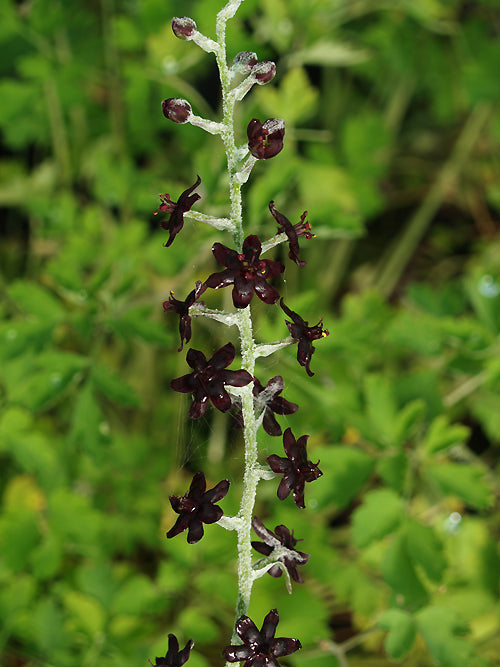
245, 61
183, 27
176, 109
264, 72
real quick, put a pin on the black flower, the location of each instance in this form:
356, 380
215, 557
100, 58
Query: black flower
279, 546
177, 209
260, 649
176, 109
246, 271
301, 331
174, 657
296, 469
183, 27
196, 508
182, 309
267, 399
302, 228
265, 140
208, 380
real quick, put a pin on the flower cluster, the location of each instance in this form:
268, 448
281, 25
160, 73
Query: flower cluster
256, 404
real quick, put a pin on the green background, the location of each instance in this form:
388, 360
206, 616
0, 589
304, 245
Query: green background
392, 143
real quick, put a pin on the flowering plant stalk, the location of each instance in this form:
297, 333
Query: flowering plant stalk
211, 382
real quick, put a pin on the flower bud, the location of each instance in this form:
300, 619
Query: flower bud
264, 72
244, 61
176, 109
265, 140
183, 27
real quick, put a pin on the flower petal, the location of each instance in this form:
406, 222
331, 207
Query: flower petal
184, 384
266, 293
223, 357
197, 486
269, 625
284, 646
278, 464
199, 405
195, 532
236, 378
247, 630
218, 492
237, 653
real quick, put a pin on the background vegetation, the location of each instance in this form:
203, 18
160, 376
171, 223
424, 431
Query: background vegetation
392, 145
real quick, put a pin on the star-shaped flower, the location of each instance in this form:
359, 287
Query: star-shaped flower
182, 309
174, 657
301, 331
268, 401
279, 546
246, 272
260, 649
177, 209
197, 507
296, 469
265, 140
208, 379
302, 228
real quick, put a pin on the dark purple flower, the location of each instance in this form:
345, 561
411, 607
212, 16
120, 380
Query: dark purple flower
267, 399
301, 331
264, 72
302, 228
279, 546
176, 109
265, 140
208, 380
246, 271
260, 649
183, 27
182, 309
177, 209
197, 507
174, 657
245, 61
296, 469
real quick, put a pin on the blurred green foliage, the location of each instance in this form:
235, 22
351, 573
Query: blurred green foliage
392, 145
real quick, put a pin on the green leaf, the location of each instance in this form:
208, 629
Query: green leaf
17, 337
19, 535
379, 515
294, 100
97, 579
86, 612
442, 435
346, 471
393, 469
47, 557
463, 480
426, 549
136, 596
36, 301
114, 387
88, 428
440, 627
137, 323
407, 419
41, 380
402, 631
400, 574
48, 626
381, 407
329, 53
